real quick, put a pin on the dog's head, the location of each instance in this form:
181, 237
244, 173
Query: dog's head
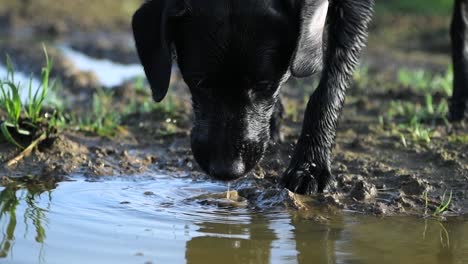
234, 56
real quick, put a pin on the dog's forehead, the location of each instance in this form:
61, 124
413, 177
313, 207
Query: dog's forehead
232, 9
253, 39
242, 10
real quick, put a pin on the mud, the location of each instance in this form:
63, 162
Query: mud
375, 173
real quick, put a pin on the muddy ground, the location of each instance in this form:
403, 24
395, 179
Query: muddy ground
376, 171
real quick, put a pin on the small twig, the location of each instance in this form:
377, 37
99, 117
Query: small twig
27, 151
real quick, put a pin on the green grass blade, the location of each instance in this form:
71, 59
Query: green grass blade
10, 69
23, 132
445, 204
14, 102
6, 134
30, 105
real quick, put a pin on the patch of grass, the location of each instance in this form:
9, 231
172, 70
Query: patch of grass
36, 100
107, 115
104, 13
143, 102
10, 99
463, 139
415, 120
169, 127
293, 109
442, 206
409, 112
167, 112
103, 120
24, 120
419, 7
168, 107
408, 119
424, 81
361, 77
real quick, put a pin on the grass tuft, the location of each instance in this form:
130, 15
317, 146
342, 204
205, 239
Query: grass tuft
23, 119
416, 120
442, 207
426, 82
418, 7
103, 119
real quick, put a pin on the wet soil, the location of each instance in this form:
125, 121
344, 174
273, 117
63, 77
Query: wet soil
375, 173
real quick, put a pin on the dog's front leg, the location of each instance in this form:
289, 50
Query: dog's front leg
309, 169
459, 34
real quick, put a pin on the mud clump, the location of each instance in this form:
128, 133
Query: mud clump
356, 187
224, 199
413, 185
363, 190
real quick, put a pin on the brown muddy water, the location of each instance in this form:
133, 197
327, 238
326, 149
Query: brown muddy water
164, 219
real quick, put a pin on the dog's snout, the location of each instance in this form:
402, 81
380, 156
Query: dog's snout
224, 161
227, 170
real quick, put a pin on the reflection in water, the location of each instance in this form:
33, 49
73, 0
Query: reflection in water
232, 243
316, 240
452, 242
331, 239
406, 240
117, 221
10, 198
264, 240
8, 202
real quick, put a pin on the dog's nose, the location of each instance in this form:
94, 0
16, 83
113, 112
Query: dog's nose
227, 171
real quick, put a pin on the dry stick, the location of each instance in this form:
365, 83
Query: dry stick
27, 151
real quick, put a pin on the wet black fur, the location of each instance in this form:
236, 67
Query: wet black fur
459, 35
234, 56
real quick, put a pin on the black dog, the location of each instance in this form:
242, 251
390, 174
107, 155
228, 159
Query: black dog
234, 55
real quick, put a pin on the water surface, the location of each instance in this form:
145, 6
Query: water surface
109, 73
158, 219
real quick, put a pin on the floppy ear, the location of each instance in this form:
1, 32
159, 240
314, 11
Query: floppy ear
308, 56
153, 37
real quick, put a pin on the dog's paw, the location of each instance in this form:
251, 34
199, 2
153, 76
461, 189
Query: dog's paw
306, 178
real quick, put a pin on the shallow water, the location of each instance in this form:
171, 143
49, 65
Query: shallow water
158, 220
108, 72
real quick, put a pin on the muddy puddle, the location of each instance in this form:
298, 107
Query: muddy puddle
164, 219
